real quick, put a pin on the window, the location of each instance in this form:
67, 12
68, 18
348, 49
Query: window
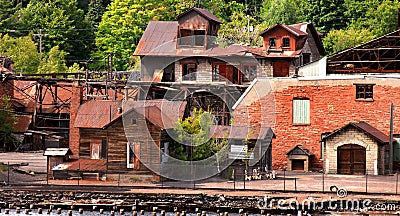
189, 71
365, 92
306, 58
286, 42
272, 43
192, 38
98, 149
301, 111
133, 149
249, 72
215, 72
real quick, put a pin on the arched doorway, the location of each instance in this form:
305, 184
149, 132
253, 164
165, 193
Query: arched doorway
351, 159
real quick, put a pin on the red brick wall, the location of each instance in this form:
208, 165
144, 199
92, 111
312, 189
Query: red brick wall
74, 136
332, 105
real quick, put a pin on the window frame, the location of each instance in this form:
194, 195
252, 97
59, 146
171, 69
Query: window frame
272, 39
192, 37
184, 74
286, 39
250, 75
297, 112
364, 92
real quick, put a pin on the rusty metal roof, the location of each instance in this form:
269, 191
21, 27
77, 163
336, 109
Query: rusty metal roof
262, 52
240, 132
160, 39
23, 122
100, 114
83, 165
205, 13
368, 129
97, 114
291, 29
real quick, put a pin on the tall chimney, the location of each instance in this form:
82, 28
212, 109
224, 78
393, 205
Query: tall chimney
74, 135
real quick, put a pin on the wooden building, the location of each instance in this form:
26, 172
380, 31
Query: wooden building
112, 139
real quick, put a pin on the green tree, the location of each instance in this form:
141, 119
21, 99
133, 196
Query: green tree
7, 11
280, 11
64, 24
338, 40
23, 51
123, 24
8, 120
95, 11
194, 132
380, 17
53, 62
325, 15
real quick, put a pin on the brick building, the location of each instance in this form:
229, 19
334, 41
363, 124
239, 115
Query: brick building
302, 111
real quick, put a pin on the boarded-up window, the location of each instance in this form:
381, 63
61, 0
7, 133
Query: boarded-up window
301, 111
98, 148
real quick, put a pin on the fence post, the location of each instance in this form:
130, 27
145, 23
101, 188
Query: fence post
8, 173
284, 180
244, 179
295, 184
323, 182
234, 179
397, 181
119, 173
79, 172
366, 182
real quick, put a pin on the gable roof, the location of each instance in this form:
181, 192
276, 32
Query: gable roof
101, 114
366, 128
205, 13
156, 34
291, 29
299, 150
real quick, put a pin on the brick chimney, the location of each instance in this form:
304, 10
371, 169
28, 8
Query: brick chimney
74, 137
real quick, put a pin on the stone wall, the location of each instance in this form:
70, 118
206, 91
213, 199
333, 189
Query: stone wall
353, 136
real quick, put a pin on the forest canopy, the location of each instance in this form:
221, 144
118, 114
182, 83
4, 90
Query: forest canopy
81, 34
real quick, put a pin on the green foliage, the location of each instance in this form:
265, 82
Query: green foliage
75, 68
53, 62
7, 10
194, 133
8, 120
338, 40
123, 24
95, 11
325, 15
280, 11
23, 51
64, 24
380, 17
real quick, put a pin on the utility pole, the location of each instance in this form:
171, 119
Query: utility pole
40, 35
391, 140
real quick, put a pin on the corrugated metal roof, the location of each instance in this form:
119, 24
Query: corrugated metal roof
160, 39
56, 151
96, 114
240, 132
23, 122
368, 129
205, 13
83, 165
291, 29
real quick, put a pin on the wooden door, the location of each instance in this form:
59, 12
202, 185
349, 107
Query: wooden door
136, 161
281, 69
351, 159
